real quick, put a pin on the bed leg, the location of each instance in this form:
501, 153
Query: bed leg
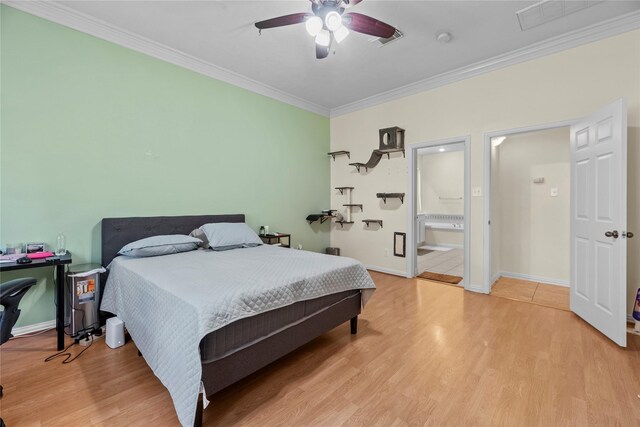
197, 422
354, 325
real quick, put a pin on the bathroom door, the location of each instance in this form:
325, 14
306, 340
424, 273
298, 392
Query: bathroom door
599, 220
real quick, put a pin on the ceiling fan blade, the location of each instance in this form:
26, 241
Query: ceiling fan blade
349, 3
322, 51
281, 21
367, 25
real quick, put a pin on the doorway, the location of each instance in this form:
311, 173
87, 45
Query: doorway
530, 225
438, 211
598, 216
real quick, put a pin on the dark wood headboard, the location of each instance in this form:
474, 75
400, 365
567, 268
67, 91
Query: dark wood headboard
117, 232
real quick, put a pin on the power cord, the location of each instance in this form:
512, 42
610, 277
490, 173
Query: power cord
69, 357
65, 353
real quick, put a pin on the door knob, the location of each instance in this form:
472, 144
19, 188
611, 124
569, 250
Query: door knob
627, 234
613, 234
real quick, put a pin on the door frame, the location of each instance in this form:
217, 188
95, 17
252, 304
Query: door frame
488, 279
412, 156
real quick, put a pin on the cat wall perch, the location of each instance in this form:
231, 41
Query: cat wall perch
391, 141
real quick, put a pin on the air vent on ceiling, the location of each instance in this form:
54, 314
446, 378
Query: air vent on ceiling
549, 10
383, 42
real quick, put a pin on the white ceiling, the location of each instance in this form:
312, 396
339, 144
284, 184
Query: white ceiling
222, 33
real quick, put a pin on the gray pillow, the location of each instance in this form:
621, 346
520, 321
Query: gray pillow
228, 235
160, 245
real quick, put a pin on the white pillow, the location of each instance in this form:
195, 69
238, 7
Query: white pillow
230, 235
160, 245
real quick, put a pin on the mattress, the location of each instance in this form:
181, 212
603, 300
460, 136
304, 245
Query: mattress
248, 331
170, 303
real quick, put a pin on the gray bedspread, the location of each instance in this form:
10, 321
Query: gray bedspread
169, 303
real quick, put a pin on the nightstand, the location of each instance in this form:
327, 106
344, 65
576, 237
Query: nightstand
279, 239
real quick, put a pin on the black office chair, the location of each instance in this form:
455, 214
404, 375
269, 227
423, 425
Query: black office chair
11, 293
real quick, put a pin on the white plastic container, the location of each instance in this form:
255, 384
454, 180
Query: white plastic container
115, 332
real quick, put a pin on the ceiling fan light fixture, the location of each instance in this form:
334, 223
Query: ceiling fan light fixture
313, 25
333, 20
341, 33
323, 38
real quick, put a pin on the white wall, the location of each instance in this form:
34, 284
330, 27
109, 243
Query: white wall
442, 175
533, 226
563, 86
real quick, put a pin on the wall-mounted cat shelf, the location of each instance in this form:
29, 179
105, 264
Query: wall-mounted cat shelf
342, 223
341, 189
373, 221
362, 165
376, 155
394, 150
347, 219
339, 153
391, 141
352, 205
322, 217
385, 196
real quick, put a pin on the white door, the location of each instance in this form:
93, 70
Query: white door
599, 220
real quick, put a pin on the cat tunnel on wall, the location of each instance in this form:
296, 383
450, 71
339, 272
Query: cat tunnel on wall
391, 141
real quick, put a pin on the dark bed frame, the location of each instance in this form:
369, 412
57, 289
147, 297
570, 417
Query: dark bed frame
219, 374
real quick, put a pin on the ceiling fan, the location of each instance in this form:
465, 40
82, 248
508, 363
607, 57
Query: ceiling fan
328, 22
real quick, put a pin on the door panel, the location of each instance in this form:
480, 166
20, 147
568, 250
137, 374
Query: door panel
582, 182
604, 181
604, 254
598, 209
582, 275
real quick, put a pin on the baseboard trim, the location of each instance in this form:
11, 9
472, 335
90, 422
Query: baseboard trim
557, 282
475, 288
36, 327
385, 270
493, 279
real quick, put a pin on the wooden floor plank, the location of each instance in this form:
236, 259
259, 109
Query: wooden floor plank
533, 292
425, 354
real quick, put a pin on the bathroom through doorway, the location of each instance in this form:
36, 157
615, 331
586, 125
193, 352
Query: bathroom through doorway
438, 232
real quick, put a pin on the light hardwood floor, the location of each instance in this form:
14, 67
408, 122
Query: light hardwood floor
425, 354
532, 292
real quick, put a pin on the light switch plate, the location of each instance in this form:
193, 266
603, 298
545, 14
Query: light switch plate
554, 192
476, 191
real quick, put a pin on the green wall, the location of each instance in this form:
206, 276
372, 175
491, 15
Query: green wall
91, 130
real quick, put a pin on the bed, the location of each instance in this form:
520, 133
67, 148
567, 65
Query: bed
273, 300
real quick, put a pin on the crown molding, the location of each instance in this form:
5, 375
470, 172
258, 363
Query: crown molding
68, 17
599, 31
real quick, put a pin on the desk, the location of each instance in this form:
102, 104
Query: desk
59, 270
